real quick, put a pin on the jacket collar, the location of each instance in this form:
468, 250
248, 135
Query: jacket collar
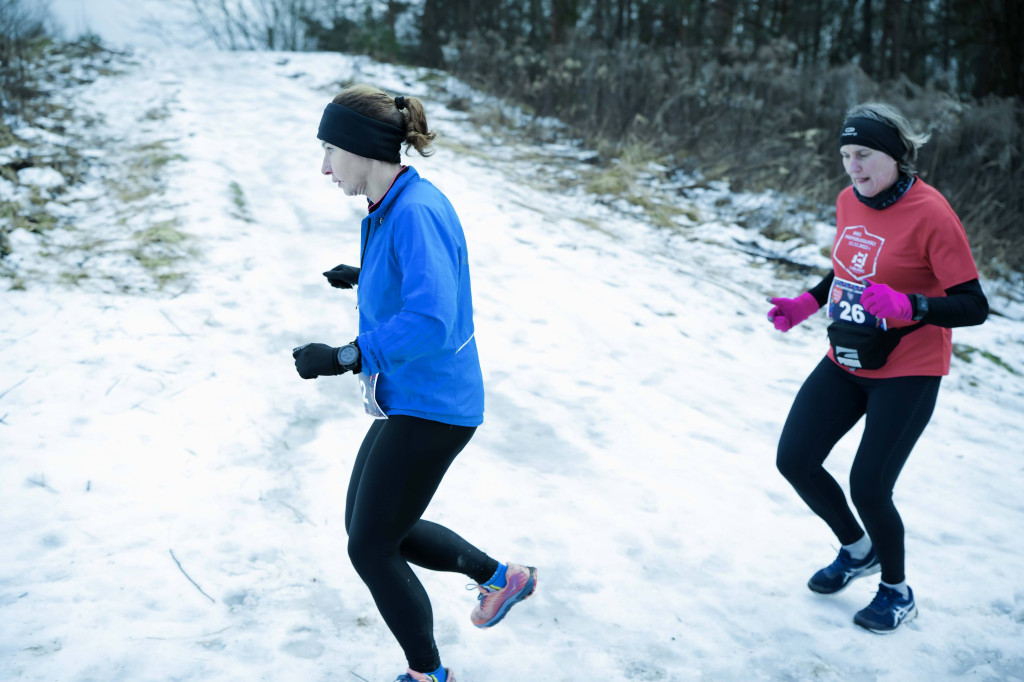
404, 177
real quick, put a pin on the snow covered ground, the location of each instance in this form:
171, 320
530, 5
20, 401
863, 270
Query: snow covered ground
172, 494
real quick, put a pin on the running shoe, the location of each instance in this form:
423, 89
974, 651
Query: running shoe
413, 676
840, 572
887, 611
493, 604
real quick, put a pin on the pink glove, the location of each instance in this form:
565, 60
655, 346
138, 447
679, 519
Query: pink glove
882, 301
789, 312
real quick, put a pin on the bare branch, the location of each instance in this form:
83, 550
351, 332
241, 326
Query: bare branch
180, 568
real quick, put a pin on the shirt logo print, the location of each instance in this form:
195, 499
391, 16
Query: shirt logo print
857, 251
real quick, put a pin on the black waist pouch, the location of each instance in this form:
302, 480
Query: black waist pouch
861, 347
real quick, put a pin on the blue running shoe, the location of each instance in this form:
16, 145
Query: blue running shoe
840, 572
887, 611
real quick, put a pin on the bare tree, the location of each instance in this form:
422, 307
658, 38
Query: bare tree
259, 24
20, 22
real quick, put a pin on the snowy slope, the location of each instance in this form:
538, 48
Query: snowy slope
635, 394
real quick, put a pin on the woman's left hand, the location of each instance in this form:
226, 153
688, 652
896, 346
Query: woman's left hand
883, 301
316, 360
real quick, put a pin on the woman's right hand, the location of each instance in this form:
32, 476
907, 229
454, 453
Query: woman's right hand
343, 276
789, 312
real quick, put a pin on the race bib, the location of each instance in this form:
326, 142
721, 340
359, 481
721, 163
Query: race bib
844, 305
368, 386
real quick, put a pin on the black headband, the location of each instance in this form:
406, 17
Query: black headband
361, 135
873, 134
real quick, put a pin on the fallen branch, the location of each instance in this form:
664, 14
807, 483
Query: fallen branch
300, 515
175, 325
41, 482
180, 568
13, 387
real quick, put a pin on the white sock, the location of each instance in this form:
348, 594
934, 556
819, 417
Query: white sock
899, 587
858, 550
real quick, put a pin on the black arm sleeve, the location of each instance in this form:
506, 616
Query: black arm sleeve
820, 290
964, 305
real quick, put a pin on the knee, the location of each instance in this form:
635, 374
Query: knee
792, 463
361, 549
869, 497
367, 550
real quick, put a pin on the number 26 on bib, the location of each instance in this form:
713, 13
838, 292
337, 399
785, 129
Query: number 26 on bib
844, 305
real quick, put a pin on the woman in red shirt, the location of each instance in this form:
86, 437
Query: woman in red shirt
902, 277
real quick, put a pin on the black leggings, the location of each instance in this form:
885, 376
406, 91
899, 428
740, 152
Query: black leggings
827, 406
399, 467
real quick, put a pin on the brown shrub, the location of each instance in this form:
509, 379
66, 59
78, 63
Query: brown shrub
763, 123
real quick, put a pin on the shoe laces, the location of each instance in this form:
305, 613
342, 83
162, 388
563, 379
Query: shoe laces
484, 590
885, 598
845, 561
839, 565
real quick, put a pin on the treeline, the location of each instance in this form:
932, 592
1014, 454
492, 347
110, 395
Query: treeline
973, 47
755, 92
969, 47
752, 92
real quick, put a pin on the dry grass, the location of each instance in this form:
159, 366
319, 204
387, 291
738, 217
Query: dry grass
138, 225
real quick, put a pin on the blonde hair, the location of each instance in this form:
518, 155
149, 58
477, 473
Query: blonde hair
893, 117
377, 104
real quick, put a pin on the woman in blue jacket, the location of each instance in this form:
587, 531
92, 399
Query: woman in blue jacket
417, 363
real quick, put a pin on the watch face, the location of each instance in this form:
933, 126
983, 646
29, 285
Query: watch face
348, 355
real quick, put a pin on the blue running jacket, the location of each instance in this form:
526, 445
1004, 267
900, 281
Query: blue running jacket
416, 307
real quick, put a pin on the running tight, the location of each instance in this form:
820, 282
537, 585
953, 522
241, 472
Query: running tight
397, 471
827, 406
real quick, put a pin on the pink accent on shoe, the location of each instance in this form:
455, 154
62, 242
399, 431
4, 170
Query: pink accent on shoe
521, 581
413, 676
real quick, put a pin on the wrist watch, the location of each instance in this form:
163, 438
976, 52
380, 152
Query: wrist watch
348, 355
919, 302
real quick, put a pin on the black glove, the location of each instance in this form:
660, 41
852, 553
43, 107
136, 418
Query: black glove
320, 360
343, 276
316, 360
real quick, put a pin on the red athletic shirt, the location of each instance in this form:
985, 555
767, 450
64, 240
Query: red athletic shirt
916, 246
